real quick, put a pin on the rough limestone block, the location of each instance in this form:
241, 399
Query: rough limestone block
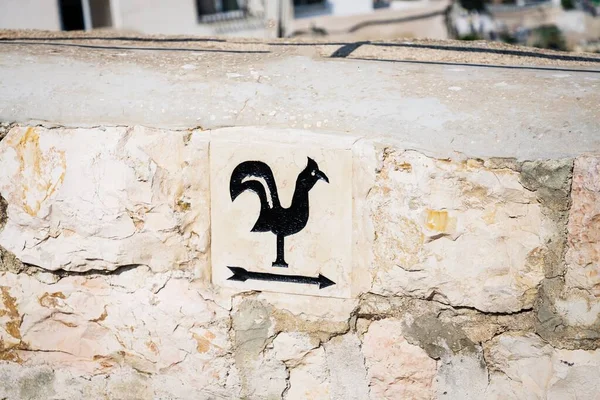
581, 303
462, 376
456, 231
346, 365
335, 370
102, 198
261, 374
152, 323
525, 367
396, 369
310, 379
292, 346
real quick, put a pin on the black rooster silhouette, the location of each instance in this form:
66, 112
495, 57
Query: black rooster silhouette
273, 217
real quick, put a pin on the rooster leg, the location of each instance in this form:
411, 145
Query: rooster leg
280, 261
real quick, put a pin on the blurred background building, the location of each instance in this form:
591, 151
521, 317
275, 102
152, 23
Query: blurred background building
557, 24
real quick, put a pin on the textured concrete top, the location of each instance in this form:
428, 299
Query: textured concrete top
478, 98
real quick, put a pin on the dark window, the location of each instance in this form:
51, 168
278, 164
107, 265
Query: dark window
71, 15
101, 15
381, 3
307, 2
230, 5
209, 7
311, 8
206, 7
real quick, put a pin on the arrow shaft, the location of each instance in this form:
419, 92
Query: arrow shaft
242, 275
265, 276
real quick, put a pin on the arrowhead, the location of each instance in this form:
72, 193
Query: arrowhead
324, 282
239, 274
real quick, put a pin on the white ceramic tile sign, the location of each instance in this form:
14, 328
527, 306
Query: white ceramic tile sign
281, 218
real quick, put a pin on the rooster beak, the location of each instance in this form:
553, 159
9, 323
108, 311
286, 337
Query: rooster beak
321, 175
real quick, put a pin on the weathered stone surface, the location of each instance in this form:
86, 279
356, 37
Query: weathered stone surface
290, 346
346, 365
524, 365
8, 261
551, 182
45, 383
462, 376
550, 178
299, 314
569, 306
583, 254
3, 214
88, 325
478, 327
435, 337
439, 329
114, 298
4, 128
273, 339
98, 199
262, 375
457, 232
310, 378
396, 369
335, 370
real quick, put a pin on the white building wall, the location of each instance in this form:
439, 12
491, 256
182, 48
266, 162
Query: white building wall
159, 16
350, 7
29, 14
181, 17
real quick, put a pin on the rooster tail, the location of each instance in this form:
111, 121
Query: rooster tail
257, 177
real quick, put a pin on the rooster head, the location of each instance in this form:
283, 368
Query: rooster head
312, 174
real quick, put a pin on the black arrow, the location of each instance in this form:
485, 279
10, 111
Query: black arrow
241, 275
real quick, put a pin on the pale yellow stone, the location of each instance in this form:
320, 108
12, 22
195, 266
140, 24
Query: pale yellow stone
466, 234
81, 199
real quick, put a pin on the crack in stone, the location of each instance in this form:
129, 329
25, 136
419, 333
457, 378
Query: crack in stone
3, 212
62, 273
288, 383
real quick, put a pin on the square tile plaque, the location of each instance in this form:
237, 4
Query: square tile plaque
281, 217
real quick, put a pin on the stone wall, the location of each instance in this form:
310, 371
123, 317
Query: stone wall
467, 237
480, 278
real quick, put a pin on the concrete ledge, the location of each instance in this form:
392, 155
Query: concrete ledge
479, 99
